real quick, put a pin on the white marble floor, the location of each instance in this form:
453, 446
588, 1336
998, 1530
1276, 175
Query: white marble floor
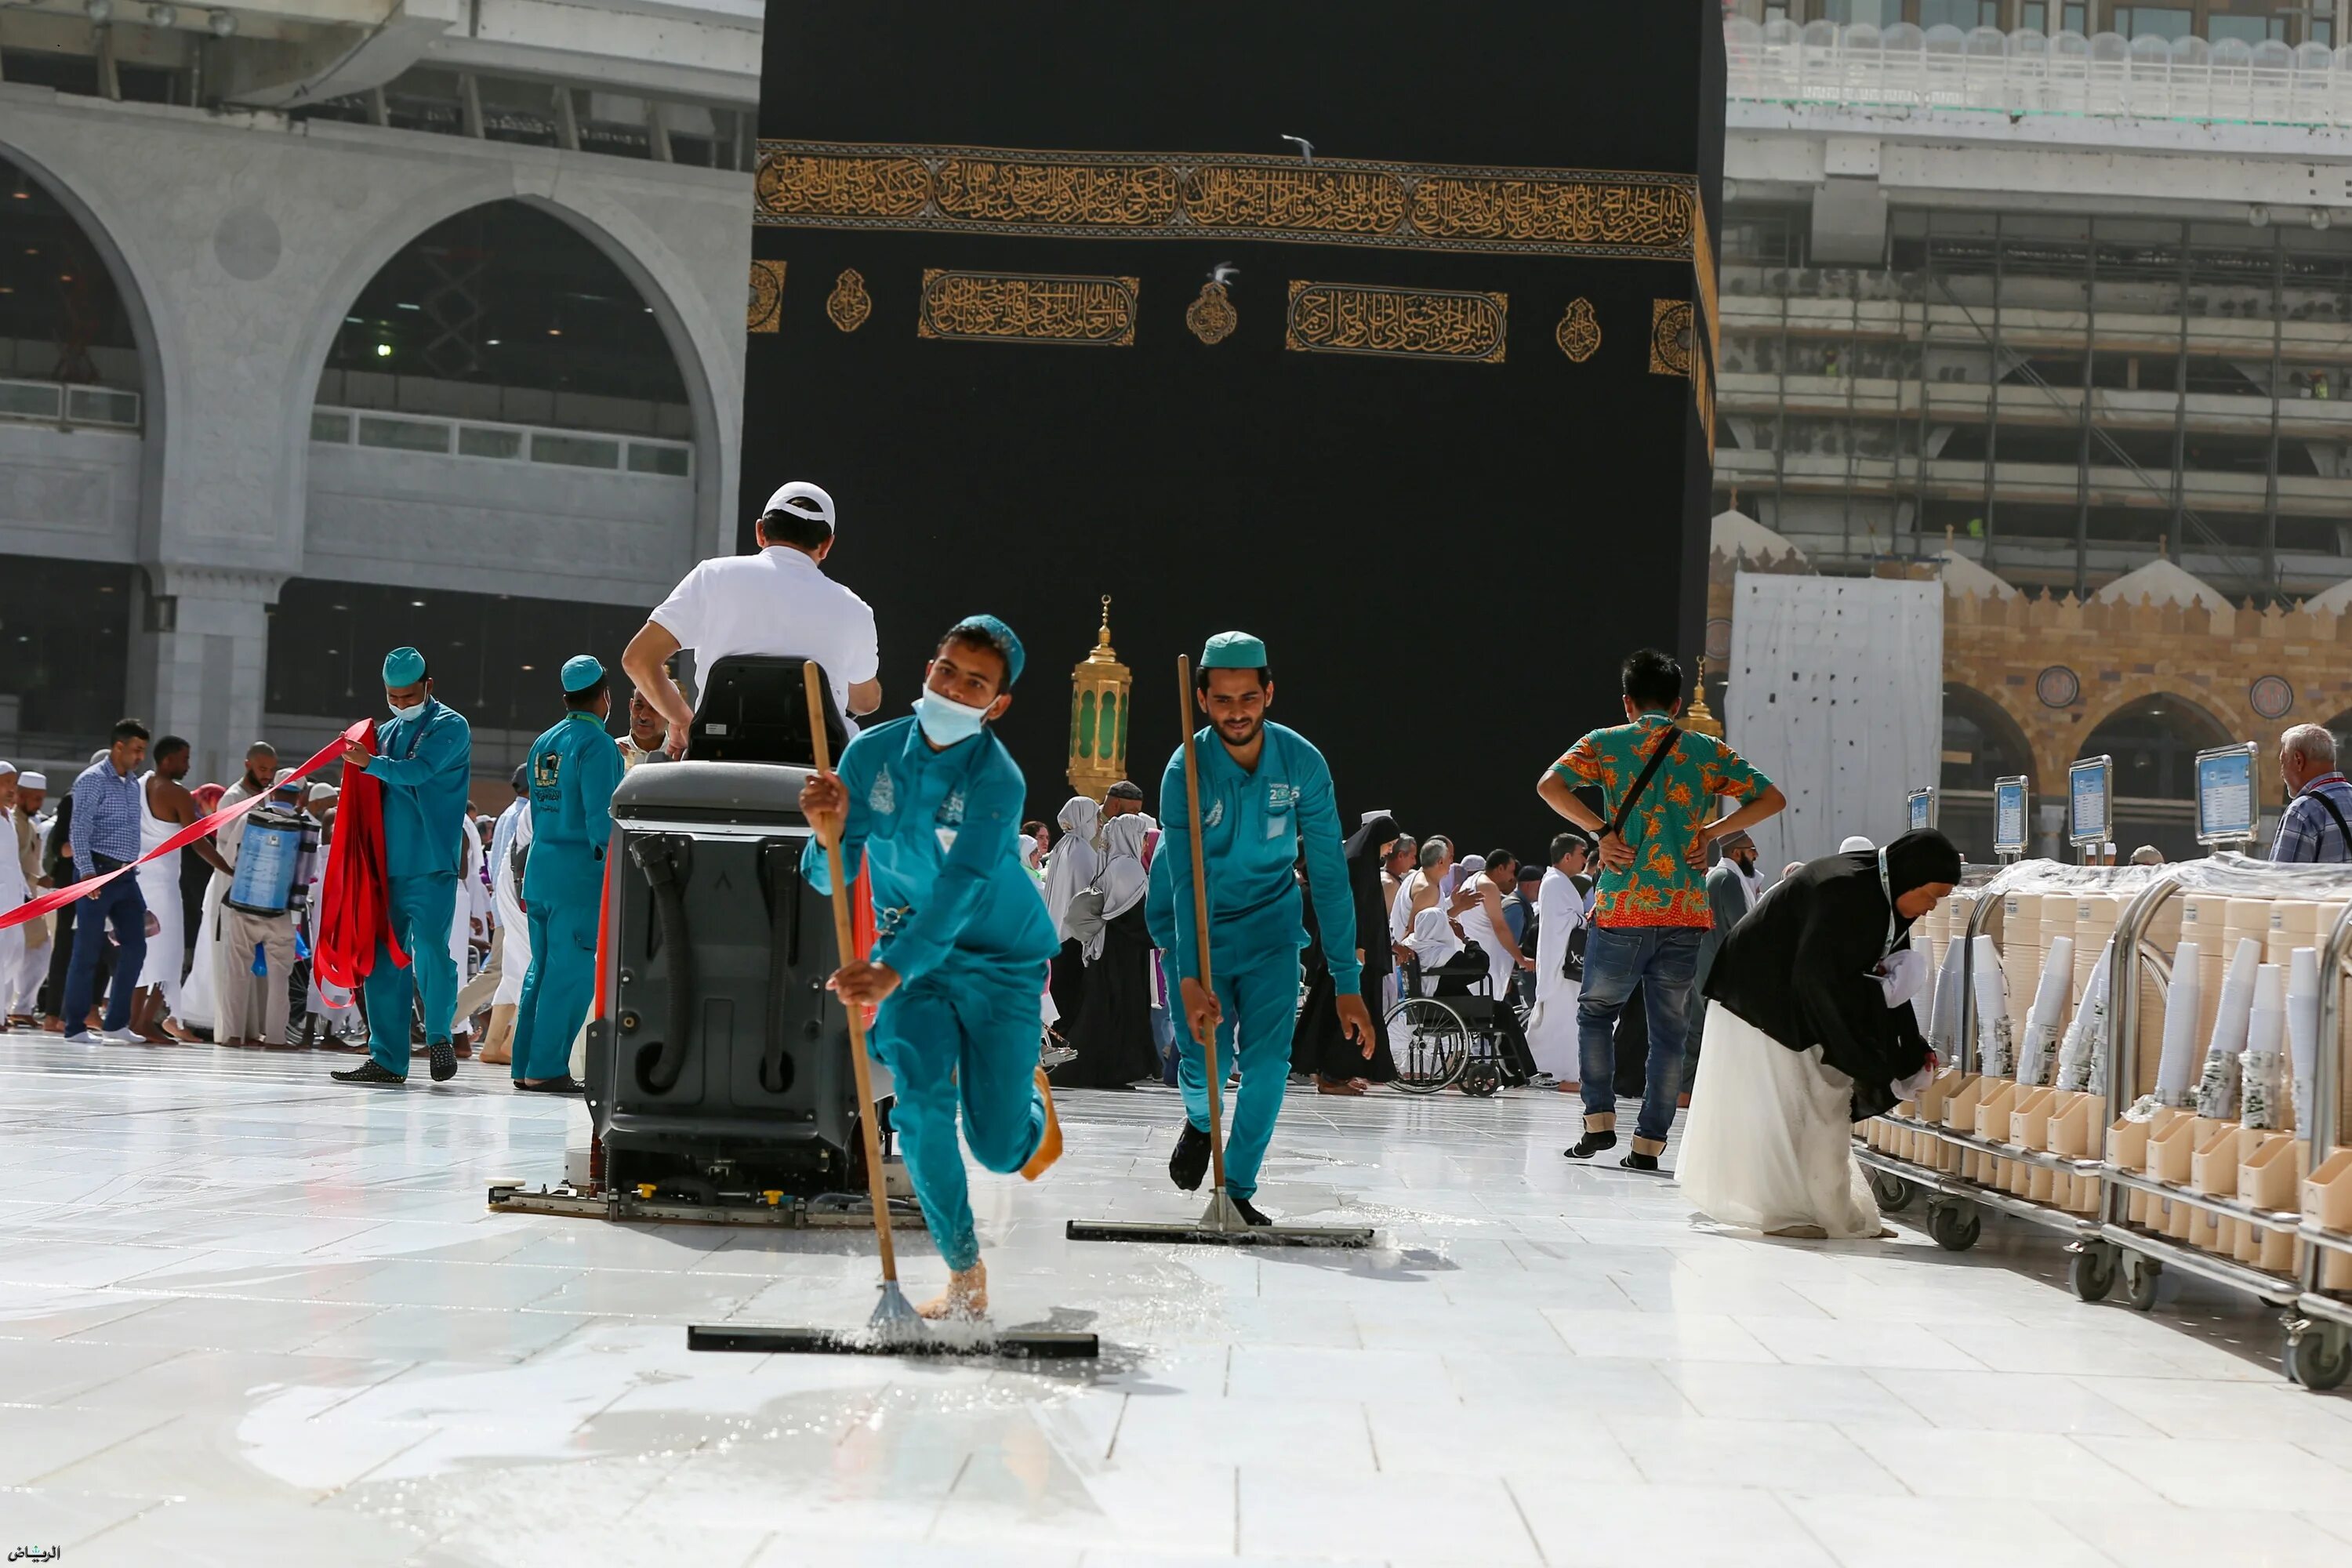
249, 1316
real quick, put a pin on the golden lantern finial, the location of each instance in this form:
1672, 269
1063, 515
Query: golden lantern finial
1100, 687
1696, 717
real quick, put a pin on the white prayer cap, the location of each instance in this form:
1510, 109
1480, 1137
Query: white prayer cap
7, 769
1857, 842
33, 781
802, 498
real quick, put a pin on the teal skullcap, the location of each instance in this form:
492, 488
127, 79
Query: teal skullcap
402, 667
1234, 651
996, 635
582, 671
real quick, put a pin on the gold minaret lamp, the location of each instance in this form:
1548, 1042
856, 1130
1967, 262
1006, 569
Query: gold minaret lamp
1100, 687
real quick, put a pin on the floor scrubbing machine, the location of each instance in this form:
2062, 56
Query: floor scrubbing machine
718, 1078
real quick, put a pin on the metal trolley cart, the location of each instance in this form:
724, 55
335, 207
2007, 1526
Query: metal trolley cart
2319, 1336
2205, 1179
1979, 1138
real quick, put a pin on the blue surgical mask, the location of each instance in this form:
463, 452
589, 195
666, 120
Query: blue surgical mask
945, 720
399, 712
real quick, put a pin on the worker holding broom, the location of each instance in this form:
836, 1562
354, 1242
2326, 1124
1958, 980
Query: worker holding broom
1264, 793
932, 804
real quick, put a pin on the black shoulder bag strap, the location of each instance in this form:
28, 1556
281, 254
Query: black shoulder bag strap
2344, 833
1667, 739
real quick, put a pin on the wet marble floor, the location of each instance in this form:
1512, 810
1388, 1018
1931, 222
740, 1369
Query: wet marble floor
248, 1316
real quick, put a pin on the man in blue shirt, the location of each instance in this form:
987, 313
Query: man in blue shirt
574, 768
106, 811
1265, 793
931, 805
424, 755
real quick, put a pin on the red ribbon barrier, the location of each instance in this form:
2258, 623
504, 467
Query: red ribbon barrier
58, 897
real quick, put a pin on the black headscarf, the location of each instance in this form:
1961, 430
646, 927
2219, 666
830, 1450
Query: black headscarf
1799, 966
1364, 882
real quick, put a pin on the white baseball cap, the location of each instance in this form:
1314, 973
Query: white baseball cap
803, 499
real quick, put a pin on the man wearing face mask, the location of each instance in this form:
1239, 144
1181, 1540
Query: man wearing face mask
574, 768
931, 806
424, 757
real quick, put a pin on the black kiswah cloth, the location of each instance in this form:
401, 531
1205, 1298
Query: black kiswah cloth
1798, 967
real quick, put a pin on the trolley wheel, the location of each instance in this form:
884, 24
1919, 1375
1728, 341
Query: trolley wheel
2140, 1276
2092, 1271
1431, 1043
2318, 1355
1955, 1225
1892, 1193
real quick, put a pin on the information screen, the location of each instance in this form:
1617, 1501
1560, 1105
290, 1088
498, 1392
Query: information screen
2009, 817
2088, 785
2225, 794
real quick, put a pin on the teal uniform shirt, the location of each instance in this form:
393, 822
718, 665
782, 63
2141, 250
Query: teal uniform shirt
425, 763
940, 830
574, 768
1253, 824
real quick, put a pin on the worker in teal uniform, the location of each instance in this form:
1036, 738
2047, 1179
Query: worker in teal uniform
931, 805
424, 757
1265, 793
574, 768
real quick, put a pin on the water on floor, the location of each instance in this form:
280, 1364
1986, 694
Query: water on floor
248, 1316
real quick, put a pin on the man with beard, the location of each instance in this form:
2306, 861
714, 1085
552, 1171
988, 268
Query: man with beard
648, 732
1265, 794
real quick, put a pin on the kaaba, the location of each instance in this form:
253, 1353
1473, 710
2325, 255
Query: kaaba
1384, 331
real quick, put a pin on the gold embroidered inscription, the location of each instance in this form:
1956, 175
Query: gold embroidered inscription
1020, 306
1407, 323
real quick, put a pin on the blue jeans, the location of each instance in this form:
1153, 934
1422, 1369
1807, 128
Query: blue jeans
119, 901
1663, 961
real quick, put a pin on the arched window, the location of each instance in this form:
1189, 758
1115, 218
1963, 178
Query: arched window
2154, 743
72, 412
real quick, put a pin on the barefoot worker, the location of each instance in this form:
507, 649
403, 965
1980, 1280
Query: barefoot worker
1264, 793
933, 803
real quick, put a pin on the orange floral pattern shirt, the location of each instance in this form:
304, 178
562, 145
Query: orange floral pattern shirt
1660, 887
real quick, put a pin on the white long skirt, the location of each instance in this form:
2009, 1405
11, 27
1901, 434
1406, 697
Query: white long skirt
195, 1008
1551, 1029
1770, 1143
159, 885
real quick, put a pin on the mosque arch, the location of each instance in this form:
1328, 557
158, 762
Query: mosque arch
78, 349
2154, 738
1982, 742
28, 185
705, 363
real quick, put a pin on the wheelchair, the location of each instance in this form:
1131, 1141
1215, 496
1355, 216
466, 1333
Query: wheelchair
1463, 1036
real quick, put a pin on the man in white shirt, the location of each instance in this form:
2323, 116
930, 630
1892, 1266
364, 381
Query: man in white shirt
778, 603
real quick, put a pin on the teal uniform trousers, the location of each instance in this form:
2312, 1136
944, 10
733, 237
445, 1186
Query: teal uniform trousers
574, 768
966, 930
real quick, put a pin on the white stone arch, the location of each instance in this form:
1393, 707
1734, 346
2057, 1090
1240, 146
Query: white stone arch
161, 354
712, 380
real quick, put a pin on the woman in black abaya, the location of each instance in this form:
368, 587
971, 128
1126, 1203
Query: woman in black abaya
1811, 994
1317, 1043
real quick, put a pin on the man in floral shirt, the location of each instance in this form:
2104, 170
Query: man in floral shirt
1650, 910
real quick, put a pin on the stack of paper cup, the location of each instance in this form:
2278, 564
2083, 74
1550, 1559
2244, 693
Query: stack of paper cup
2183, 1004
